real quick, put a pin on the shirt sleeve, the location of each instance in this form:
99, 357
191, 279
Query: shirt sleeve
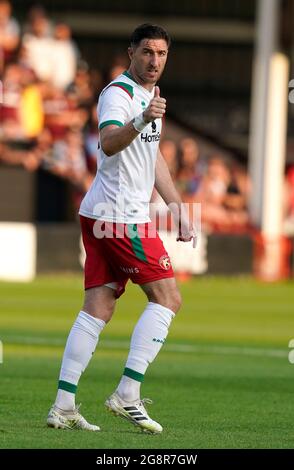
114, 107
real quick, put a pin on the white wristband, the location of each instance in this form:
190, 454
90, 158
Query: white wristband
138, 123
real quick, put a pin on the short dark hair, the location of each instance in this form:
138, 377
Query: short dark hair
149, 31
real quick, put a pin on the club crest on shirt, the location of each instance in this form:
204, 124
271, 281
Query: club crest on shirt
164, 262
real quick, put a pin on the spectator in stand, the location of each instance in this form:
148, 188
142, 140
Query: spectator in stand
35, 12
16, 156
119, 65
29, 154
236, 198
10, 116
9, 34
170, 152
189, 175
91, 140
81, 88
41, 123
237, 191
212, 194
38, 46
41, 153
223, 205
65, 57
62, 113
68, 161
96, 84
31, 105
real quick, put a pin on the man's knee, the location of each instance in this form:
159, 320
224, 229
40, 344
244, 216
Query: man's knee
175, 301
167, 296
164, 292
100, 302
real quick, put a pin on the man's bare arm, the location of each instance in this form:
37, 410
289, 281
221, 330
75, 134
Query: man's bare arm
167, 190
114, 139
164, 183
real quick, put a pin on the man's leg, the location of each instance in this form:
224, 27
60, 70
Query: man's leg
148, 337
81, 343
149, 334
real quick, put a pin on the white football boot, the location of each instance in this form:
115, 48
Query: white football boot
61, 419
134, 412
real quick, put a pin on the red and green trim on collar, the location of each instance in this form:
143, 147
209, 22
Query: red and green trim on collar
125, 87
127, 74
130, 92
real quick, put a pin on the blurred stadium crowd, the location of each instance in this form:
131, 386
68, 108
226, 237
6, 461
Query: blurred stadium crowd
48, 120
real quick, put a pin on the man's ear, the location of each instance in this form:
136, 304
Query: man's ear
130, 52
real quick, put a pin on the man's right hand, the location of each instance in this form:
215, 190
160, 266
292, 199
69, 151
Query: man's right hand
156, 108
187, 237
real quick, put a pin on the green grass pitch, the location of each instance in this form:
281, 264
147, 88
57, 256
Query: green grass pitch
222, 380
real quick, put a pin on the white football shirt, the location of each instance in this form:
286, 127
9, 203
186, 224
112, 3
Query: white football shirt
122, 188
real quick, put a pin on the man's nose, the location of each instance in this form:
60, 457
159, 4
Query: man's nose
154, 60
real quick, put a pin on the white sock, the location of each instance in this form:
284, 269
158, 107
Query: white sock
80, 346
148, 337
129, 389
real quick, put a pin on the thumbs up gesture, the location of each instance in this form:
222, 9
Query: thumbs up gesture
156, 108
156, 92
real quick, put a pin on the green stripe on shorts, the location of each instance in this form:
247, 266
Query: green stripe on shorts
136, 242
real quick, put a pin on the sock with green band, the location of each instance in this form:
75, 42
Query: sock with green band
80, 346
148, 337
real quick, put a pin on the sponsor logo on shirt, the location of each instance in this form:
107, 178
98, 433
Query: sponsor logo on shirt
150, 138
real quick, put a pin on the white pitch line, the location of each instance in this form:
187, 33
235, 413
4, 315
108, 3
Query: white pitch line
169, 347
